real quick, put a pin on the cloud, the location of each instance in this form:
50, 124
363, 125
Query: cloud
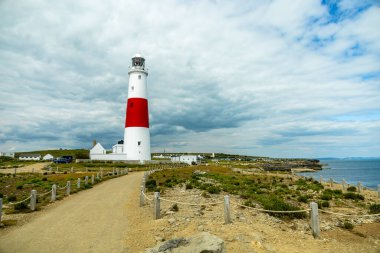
277, 78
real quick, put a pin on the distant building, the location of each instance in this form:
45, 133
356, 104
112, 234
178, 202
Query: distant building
9, 154
48, 157
189, 159
99, 153
29, 157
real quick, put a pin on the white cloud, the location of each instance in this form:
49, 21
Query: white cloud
232, 77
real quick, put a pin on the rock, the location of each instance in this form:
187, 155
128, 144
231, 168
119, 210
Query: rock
171, 221
201, 242
201, 228
158, 239
293, 226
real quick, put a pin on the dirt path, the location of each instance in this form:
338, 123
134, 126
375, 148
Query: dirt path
90, 221
29, 168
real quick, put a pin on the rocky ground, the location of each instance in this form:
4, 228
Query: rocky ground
253, 231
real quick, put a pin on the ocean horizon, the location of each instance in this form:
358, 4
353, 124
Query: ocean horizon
353, 170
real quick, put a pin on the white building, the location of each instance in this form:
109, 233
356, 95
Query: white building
99, 153
29, 157
9, 154
48, 157
189, 159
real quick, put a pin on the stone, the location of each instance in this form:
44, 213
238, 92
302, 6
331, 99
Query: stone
201, 228
171, 221
201, 242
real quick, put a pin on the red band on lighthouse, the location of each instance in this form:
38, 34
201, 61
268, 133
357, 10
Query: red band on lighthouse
137, 113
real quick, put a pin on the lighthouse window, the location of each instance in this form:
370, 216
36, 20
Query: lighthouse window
139, 143
132, 88
139, 76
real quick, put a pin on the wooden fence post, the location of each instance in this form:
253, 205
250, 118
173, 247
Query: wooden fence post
86, 180
113, 172
15, 170
57, 168
227, 212
78, 183
68, 189
53, 192
314, 219
1, 209
344, 185
101, 174
33, 200
360, 187
97, 175
142, 199
331, 182
92, 179
156, 214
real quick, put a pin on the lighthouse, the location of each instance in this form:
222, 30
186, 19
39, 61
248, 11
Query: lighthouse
136, 134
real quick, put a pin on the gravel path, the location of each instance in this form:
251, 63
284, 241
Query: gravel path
90, 221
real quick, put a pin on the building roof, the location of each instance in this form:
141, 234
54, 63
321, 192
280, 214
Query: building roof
29, 155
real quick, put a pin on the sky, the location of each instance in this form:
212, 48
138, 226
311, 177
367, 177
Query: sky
279, 78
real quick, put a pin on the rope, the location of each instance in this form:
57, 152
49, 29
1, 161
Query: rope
191, 204
43, 194
270, 211
342, 214
146, 196
61, 188
20, 201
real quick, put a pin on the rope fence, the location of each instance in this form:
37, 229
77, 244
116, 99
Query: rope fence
33, 196
313, 210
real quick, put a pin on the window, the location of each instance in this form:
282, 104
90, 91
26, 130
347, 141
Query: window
139, 76
132, 88
139, 143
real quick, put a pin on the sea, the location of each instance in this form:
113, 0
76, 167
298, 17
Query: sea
366, 171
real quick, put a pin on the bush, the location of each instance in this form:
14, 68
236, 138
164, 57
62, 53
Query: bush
151, 185
354, 196
326, 196
322, 204
44, 179
12, 198
19, 186
189, 186
351, 189
213, 189
303, 198
271, 202
374, 208
45, 173
174, 208
348, 225
21, 206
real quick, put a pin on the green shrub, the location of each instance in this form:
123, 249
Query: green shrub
21, 206
354, 196
303, 198
45, 173
151, 184
351, 189
44, 179
19, 186
273, 203
11, 198
348, 225
213, 189
174, 208
189, 186
326, 196
325, 203
374, 208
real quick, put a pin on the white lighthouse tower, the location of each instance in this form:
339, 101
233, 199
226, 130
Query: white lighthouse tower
136, 135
